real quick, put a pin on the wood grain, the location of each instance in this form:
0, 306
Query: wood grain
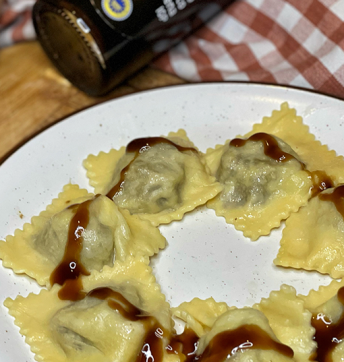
33, 95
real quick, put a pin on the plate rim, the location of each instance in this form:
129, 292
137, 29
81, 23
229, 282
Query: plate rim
256, 87
281, 87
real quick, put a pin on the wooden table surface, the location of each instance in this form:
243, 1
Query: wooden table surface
33, 95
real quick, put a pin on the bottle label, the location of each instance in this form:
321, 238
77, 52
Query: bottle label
137, 18
117, 10
170, 8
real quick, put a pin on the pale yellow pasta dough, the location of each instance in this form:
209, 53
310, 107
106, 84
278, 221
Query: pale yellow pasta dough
258, 192
290, 321
17, 251
162, 183
286, 314
200, 315
315, 298
287, 125
89, 330
234, 319
313, 239
111, 234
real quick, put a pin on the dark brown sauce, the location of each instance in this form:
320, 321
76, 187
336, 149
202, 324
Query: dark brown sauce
72, 290
337, 197
152, 348
327, 334
320, 180
138, 146
271, 147
229, 342
184, 344
70, 268
68, 272
222, 345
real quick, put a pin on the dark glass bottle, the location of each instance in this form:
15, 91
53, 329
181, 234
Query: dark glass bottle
96, 44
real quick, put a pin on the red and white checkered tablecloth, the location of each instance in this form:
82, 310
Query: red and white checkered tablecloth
15, 21
291, 42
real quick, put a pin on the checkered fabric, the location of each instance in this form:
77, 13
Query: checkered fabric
291, 42
15, 21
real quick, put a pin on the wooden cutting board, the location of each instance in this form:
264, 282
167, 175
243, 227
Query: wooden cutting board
33, 95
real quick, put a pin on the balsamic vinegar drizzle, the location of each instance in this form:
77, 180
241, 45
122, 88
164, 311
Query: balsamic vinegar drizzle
184, 344
224, 344
337, 197
229, 342
138, 146
328, 334
321, 181
271, 147
68, 272
152, 347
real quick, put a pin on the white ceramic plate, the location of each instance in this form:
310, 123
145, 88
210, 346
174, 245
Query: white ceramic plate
205, 257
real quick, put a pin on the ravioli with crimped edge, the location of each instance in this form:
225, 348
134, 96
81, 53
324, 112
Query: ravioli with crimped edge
263, 180
77, 233
122, 312
290, 320
271, 172
156, 178
105, 304
228, 333
313, 238
285, 312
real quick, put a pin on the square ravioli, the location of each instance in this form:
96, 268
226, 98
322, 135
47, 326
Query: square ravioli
313, 238
122, 317
77, 233
263, 183
230, 333
283, 314
268, 179
97, 247
156, 178
327, 308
